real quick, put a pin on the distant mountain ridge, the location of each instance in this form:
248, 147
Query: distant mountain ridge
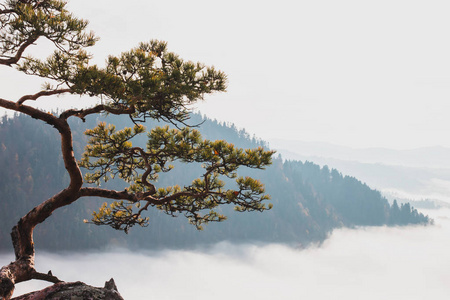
425, 157
421, 175
309, 200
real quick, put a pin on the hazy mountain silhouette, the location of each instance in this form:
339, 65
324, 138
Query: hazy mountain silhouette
309, 200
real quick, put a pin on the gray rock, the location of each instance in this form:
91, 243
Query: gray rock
75, 291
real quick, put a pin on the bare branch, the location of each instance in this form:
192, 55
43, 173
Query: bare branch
111, 194
82, 113
42, 93
6, 11
18, 56
46, 277
133, 197
32, 112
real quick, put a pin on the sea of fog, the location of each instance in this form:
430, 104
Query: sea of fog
365, 263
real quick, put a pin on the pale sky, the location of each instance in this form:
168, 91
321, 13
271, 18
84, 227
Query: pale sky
354, 73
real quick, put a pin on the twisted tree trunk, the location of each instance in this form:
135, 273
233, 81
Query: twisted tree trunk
23, 268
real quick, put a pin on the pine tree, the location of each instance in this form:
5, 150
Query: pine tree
146, 82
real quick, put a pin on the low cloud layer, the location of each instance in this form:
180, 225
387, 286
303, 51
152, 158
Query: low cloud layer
367, 263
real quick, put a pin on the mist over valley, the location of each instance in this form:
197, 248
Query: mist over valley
365, 263
324, 249
323, 146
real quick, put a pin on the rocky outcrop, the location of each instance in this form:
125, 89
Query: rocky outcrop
74, 291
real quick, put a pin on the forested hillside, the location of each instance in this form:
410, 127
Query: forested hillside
309, 201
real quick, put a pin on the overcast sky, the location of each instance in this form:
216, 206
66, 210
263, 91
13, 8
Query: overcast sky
350, 72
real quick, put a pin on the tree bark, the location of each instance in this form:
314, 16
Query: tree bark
22, 269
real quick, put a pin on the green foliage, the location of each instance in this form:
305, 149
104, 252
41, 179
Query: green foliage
114, 155
114, 152
146, 82
23, 23
118, 215
158, 83
26, 21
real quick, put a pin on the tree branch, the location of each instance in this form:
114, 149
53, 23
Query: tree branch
111, 194
18, 56
42, 93
33, 112
22, 233
132, 197
148, 171
46, 277
82, 113
6, 11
